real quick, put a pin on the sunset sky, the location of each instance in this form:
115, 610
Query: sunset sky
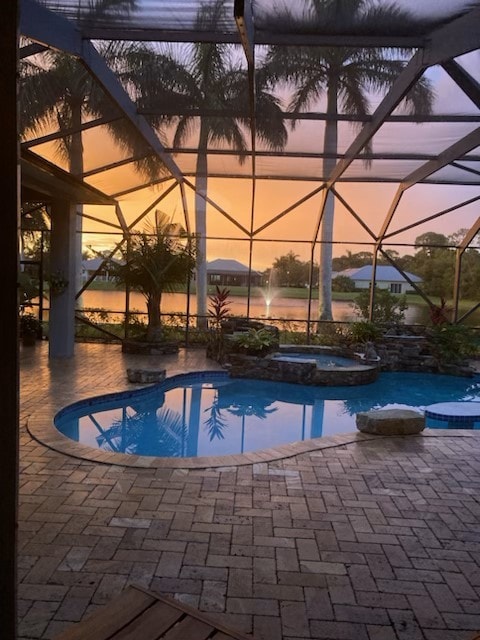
370, 200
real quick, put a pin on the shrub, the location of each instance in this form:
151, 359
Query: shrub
329, 334
343, 283
364, 331
388, 308
453, 343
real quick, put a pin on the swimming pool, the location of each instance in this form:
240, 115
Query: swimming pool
210, 414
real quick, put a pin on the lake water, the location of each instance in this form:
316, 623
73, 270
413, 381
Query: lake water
288, 308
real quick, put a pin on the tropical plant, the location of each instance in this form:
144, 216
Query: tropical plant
439, 312
388, 308
347, 77
218, 311
159, 259
199, 79
255, 341
219, 307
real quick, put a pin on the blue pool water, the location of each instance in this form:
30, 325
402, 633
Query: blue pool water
212, 414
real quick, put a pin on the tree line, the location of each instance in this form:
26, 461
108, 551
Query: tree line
433, 261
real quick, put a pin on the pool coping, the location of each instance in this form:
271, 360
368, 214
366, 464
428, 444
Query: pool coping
40, 425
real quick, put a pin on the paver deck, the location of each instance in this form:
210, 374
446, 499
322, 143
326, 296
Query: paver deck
378, 539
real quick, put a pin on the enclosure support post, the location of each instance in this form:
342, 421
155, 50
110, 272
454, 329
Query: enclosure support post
62, 263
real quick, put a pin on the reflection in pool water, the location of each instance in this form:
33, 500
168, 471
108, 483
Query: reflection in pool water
190, 415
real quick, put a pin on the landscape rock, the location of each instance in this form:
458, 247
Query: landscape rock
390, 422
146, 375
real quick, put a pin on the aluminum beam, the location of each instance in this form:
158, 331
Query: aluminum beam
455, 39
48, 28
312, 115
412, 72
470, 235
459, 148
242, 12
261, 37
28, 144
464, 80
47, 181
466, 144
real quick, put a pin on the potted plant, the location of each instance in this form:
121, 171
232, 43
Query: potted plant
159, 259
30, 329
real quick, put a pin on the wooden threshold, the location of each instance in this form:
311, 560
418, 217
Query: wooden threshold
139, 614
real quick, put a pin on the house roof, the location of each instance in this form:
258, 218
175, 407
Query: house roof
222, 265
384, 273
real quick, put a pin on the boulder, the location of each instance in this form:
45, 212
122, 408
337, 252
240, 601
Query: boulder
390, 422
146, 376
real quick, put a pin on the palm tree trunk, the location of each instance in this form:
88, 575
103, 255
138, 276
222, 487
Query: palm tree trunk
201, 229
154, 329
330, 147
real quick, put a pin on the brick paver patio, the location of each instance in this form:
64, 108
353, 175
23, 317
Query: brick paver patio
374, 540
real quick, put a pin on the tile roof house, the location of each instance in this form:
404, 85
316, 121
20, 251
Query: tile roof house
387, 277
223, 272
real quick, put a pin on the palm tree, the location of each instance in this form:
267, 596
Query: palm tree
346, 76
206, 77
56, 89
156, 260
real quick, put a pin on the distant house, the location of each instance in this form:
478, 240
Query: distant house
387, 277
231, 273
89, 267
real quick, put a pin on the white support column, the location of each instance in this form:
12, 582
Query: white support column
62, 261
